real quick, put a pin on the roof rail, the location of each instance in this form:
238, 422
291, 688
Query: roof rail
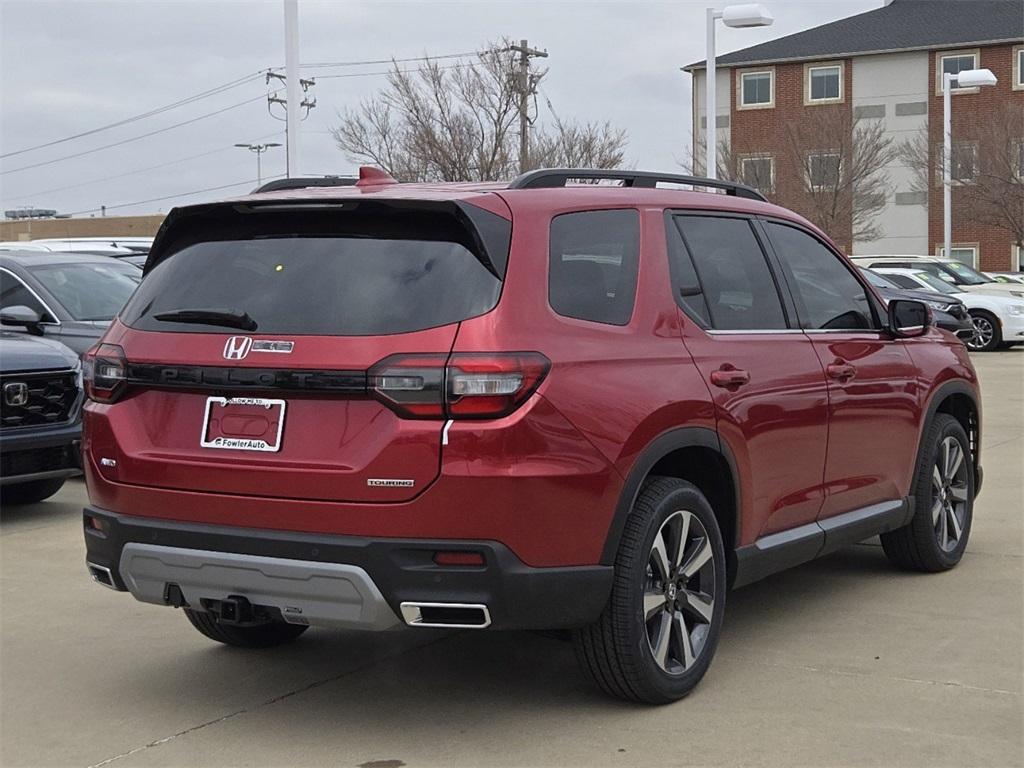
558, 177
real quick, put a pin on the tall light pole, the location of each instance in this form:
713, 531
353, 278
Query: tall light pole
968, 78
749, 15
259, 149
292, 85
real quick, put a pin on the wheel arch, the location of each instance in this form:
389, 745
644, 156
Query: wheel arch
959, 400
694, 454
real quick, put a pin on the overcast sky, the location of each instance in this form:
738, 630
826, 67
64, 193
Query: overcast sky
68, 67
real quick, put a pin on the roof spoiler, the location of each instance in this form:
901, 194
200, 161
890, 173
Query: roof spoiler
559, 177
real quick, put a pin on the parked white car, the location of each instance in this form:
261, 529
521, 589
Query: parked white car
998, 320
1007, 277
964, 277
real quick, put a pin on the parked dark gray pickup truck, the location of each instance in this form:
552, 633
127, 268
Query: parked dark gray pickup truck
40, 417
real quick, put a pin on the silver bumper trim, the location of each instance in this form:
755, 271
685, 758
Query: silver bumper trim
306, 592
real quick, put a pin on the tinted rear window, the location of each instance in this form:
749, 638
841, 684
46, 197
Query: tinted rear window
592, 270
376, 276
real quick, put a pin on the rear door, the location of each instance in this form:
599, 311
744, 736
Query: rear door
763, 374
873, 400
299, 353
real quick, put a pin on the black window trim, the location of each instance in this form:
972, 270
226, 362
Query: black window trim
877, 310
639, 258
781, 289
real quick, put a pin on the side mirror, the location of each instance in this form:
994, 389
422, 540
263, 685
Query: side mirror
21, 315
908, 318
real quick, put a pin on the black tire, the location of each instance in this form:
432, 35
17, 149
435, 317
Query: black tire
617, 651
32, 491
988, 333
258, 636
918, 546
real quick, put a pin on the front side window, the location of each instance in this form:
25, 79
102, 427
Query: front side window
823, 169
825, 83
756, 89
758, 172
93, 292
14, 293
828, 295
721, 276
592, 268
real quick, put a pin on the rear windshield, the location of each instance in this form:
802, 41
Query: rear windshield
376, 280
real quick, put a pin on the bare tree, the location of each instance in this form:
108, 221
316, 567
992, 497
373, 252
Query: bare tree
988, 169
444, 122
839, 169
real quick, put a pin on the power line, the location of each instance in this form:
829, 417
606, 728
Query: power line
135, 138
171, 197
137, 170
174, 105
389, 71
395, 61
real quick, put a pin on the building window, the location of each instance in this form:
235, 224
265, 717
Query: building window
1018, 68
1018, 159
965, 254
756, 90
953, 63
823, 170
1018, 258
964, 163
824, 84
758, 171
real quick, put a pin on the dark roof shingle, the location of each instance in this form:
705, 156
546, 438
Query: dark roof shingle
901, 25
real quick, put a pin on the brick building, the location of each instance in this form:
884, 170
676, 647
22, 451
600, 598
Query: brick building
787, 108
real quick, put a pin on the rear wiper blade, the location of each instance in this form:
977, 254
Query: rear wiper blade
229, 318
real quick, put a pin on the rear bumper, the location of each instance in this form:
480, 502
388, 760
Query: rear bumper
336, 581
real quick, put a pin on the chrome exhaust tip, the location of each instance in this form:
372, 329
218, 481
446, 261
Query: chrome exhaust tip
446, 615
101, 575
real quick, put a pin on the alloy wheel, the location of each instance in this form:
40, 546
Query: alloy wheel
983, 333
679, 592
949, 493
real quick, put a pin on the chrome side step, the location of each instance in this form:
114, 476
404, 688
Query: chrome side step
446, 615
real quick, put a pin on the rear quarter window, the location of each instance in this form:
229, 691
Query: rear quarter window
592, 269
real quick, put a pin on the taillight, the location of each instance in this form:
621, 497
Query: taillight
104, 373
410, 385
462, 386
491, 386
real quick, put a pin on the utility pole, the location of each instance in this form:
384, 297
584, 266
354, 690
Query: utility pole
307, 103
291, 71
526, 84
259, 149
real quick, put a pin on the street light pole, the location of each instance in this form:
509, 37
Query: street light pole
710, 108
739, 16
259, 149
968, 78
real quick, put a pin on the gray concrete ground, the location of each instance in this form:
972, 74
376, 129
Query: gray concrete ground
840, 662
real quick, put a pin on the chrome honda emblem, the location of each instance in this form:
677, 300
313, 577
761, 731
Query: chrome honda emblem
16, 393
237, 347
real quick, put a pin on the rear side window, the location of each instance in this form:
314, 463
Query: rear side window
592, 267
356, 274
828, 296
736, 290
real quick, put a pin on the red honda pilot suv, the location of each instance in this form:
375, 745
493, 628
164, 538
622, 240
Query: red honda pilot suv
542, 404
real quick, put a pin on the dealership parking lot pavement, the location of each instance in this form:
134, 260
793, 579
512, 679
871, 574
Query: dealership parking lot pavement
843, 661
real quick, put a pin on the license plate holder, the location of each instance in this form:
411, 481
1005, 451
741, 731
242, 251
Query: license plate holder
243, 424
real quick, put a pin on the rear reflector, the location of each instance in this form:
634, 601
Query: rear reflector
459, 558
462, 386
